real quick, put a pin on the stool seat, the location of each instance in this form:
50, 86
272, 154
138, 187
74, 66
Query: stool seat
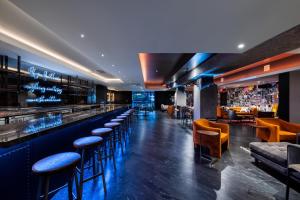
56, 163
121, 117
102, 131
86, 142
112, 124
124, 114
117, 120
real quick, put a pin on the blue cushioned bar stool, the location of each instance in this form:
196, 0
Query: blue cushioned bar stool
53, 165
125, 119
116, 130
122, 128
90, 144
107, 135
128, 118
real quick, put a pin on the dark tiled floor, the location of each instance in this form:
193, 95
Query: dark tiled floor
159, 163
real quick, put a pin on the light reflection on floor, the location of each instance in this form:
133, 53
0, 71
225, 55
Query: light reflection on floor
159, 163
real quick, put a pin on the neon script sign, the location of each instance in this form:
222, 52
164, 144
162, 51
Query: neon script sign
32, 87
44, 90
45, 75
43, 99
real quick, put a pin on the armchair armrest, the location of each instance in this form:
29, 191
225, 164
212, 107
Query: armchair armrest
224, 127
273, 129
293, 154
198, 126
291, 127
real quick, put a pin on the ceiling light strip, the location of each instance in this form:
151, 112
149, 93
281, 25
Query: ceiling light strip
55, 55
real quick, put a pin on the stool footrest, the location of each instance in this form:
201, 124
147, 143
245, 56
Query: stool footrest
56, 189
92, 177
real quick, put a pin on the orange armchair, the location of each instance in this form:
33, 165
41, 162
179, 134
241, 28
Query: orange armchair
170, 110
214, 143
276, 130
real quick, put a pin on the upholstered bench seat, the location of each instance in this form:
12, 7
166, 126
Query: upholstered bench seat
273, 151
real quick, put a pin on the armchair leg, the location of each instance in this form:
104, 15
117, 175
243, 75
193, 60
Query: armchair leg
196, 147
287, 192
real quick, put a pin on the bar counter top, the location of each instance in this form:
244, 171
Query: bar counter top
11, 112
44, 121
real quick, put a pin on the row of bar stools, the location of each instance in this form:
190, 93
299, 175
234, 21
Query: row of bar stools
67, 162
53, 165
108, 149
92, 144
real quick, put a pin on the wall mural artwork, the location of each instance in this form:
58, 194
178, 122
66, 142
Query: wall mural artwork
253, 95
43, 94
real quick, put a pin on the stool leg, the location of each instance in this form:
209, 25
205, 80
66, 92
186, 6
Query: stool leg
120, 139
102, 171
81, 174
78, 197
94, 164
123, 132
40, 183
112, 152
46, 188
70, 188
105, 146
114, 137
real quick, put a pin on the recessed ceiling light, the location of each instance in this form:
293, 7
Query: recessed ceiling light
102, 55
241, 46
82, 35
112, 65
156, 70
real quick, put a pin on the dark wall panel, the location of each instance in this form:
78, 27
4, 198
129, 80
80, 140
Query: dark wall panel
123, 97
163, 97
101, 94
209, 102
223, 98
208, 98
284, 96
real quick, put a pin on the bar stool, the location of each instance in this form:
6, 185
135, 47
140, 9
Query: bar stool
107, 135
125, 119
122, 128
82, 145
56, 164
128, 118
116, 130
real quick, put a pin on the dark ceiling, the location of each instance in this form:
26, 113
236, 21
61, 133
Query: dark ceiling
161, 66
221, 63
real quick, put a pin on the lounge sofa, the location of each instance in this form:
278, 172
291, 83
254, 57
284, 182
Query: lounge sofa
276, 130
272, 154
214, 143
275, 155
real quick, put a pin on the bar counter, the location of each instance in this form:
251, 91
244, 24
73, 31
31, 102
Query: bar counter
24, 143
44, 120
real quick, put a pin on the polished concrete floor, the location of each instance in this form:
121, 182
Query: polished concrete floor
160, 163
